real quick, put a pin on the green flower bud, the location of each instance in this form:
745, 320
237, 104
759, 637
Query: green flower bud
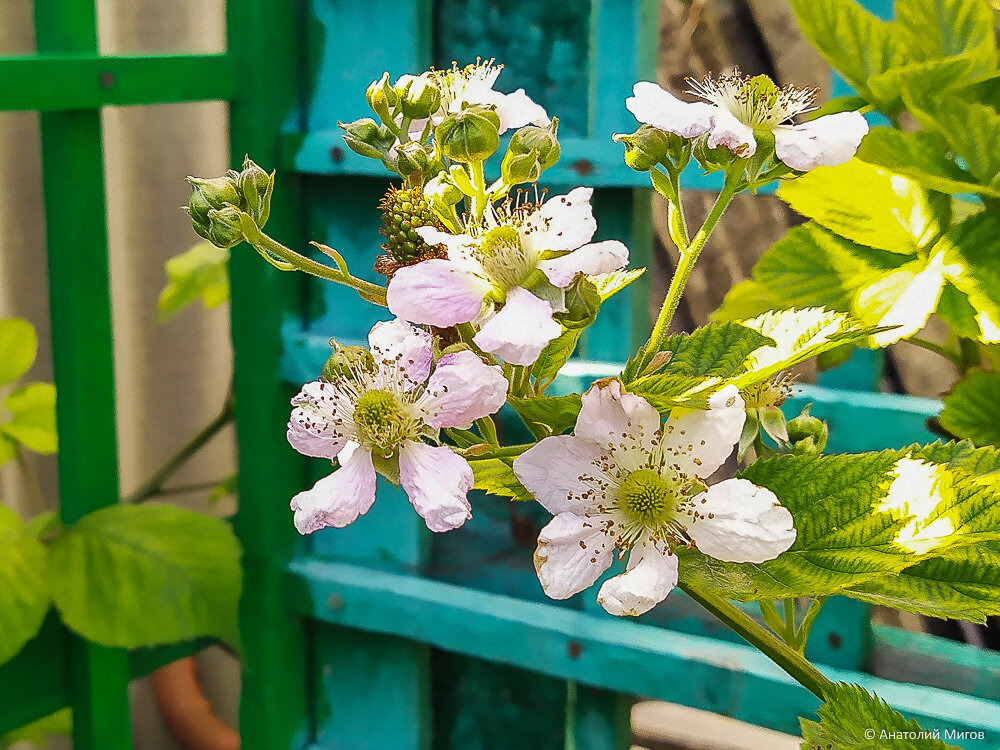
368, 138
712, 159
256, 187
382, 97
224, 228
807, 434
347, 362
441, 191
472, 135
208, 194
583, 302
542, 140
645, 148
419, 96
460, 178
518, 168
411, 159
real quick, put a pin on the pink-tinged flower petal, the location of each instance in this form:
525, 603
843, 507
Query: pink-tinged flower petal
313, 429
698, 441
437, 481
400, 350
609, 417
516, 110
518, 333
729, 132
826, 141
557, 470
661, 109
462, 389
563, 222
600, 257
436, 293
650, 575
338, 500
572, 553
737, 521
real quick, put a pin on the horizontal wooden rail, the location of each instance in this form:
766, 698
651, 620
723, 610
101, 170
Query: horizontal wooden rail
610, 653
55, 82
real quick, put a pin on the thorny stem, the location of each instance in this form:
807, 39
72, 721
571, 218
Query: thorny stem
782, 654
154, 485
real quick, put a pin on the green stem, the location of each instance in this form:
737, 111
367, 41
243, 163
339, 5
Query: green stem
970, 356
479, 183
154, 485
952, 356
802, 636
790, 623
488, 430
688, 256
504, 451
786, 657
771, 617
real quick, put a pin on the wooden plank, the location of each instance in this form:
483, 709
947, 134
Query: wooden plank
55, 82
615, 654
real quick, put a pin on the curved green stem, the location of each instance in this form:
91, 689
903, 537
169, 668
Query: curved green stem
943, 351
785, 656
479, 183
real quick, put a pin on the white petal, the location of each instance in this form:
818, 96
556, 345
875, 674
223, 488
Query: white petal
401, 351
337, 500
649, 576
572, 553
313, 429
610, 417
518, 333
563, 222
437, 481
436, 293
737, 521
729, 132
557, 471
600, 257
698, 441
654, 106
517, 110
462, 389
826, 141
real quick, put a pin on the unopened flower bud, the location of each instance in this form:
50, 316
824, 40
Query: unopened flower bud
347, 362
541, 139
419, 96
645, 148
807, 434
712, 159
411, 159
583, 302
224, 227
382, 97
256, 187
471, 135
461, 179
368, 138
208, 194
518, 168
440, 190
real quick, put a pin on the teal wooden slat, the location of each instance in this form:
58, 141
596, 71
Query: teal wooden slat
611, 653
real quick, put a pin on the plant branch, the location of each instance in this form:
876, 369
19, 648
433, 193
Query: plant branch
949, 354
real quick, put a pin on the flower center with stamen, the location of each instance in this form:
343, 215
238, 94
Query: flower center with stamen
380, 420
647, 498
503, 258
771, 392
756, 101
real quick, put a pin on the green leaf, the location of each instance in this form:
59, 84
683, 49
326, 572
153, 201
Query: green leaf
666, 391
948, 28
972, 130
934, 75
43, 523
37, 732
555, 354
971, 252
24, 584
958, 313
963, 584
8, 449
34, 424
227, 487
922, 157
199, 273
18, 345
972, 409
746, 299
558, 413
853, 41
857, 518
609, 284
903, 299
714, 350
849, 711
797, 335
139, 575
495, 476
867, 205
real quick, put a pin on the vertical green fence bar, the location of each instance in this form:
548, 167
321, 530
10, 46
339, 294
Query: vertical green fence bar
273, 711
73, 167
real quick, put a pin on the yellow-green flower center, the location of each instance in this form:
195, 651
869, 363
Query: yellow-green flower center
380, 419
647, 498
503, 257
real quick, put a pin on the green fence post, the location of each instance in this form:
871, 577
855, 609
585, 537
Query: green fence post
79, 291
